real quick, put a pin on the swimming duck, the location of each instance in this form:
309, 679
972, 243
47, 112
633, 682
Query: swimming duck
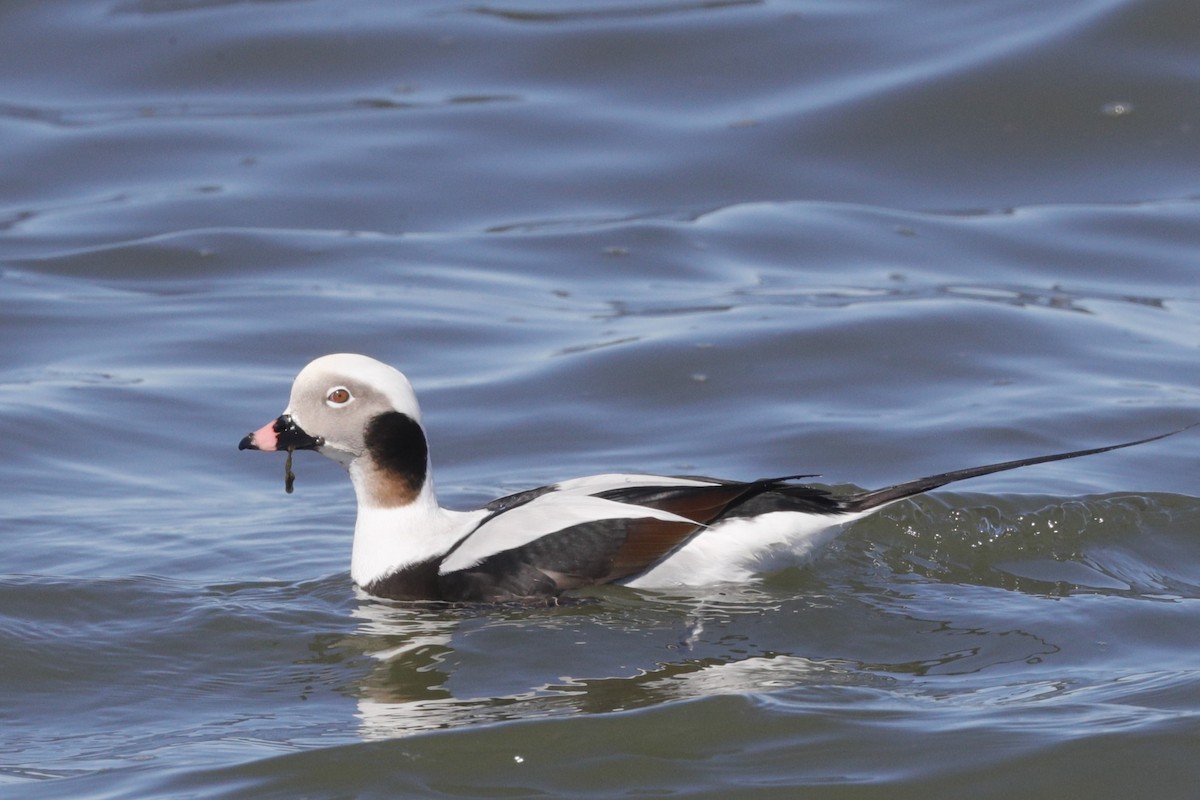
646, 531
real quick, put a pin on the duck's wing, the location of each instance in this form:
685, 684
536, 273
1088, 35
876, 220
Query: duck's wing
586, 531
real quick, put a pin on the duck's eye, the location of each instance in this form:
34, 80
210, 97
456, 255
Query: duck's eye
339, 396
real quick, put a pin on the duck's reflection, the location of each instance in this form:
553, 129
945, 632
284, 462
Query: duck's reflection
440, 667
443, 667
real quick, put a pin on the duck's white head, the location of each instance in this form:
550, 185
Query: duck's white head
364, 415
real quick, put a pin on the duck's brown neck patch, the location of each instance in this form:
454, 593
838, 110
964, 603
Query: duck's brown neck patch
399, 457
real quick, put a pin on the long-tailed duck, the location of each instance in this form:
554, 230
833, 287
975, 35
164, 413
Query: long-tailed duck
638, 530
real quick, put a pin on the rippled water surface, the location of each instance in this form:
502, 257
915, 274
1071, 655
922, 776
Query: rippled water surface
869, 240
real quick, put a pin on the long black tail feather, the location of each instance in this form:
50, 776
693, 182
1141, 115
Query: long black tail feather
862, 501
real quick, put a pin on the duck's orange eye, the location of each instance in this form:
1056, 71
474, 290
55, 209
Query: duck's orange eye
339, 396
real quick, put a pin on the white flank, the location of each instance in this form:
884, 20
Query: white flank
739, 549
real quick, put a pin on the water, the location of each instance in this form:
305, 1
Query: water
870, 240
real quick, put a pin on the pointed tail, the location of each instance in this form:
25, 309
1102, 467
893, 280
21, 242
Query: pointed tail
863, 501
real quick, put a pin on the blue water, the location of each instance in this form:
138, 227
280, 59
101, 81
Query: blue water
868, 240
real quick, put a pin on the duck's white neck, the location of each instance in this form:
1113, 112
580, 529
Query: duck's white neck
389, 538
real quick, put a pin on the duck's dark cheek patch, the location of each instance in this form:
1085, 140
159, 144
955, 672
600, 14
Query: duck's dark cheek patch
398, 449
289, 477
